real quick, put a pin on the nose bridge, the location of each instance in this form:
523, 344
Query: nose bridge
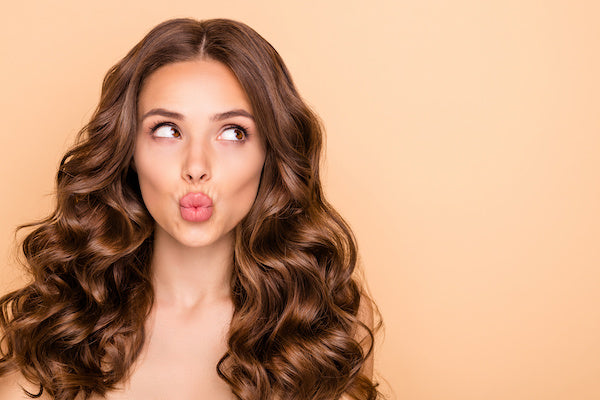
197, 161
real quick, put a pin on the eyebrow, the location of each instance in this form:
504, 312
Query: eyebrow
215, 117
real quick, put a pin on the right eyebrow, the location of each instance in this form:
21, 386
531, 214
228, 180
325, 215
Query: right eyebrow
216, 117
164, 113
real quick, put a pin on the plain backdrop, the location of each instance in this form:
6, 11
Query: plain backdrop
463, 147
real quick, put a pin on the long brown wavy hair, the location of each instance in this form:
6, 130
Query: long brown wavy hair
77, 328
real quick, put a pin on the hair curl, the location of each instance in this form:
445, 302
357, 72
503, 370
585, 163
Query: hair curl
78, 327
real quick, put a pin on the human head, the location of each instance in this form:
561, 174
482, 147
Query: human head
292, 132
294, 254
211, 145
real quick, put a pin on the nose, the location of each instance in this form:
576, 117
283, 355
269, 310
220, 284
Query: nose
196, 166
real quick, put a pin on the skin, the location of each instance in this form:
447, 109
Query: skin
196, 152
192, 261
201, 150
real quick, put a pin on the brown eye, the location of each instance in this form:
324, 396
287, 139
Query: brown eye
234, 133
167, 131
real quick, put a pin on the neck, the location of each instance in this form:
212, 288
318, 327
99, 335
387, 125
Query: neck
185, 277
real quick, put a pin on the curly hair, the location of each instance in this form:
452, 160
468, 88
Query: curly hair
78, 326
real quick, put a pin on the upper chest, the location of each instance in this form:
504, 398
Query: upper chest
179, 358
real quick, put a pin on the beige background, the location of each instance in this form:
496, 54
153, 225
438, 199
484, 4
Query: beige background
463, 147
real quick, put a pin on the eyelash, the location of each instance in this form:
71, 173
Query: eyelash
158, 124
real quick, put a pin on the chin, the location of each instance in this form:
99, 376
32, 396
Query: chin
202, 239
193, 242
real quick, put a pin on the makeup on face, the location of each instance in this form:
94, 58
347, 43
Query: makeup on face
198, 154
195, 207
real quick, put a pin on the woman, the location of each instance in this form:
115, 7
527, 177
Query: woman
191, 254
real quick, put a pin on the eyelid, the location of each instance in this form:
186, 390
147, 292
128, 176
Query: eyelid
159, 124
162, 123
235, 126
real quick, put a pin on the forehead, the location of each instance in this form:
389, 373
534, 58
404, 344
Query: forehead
192, 86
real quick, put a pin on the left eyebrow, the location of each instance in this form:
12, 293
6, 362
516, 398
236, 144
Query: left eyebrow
216, 117
233, 113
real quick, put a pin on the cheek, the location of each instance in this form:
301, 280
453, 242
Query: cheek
243, 181
153, 175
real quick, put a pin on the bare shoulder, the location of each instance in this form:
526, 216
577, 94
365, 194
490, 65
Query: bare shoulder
366, 315
12, 385
9, 387
366, 312
367, 309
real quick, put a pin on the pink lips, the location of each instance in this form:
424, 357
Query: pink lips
195, 207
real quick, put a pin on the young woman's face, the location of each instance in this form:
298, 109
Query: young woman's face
198, 154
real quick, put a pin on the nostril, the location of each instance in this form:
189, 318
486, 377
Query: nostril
191, 177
